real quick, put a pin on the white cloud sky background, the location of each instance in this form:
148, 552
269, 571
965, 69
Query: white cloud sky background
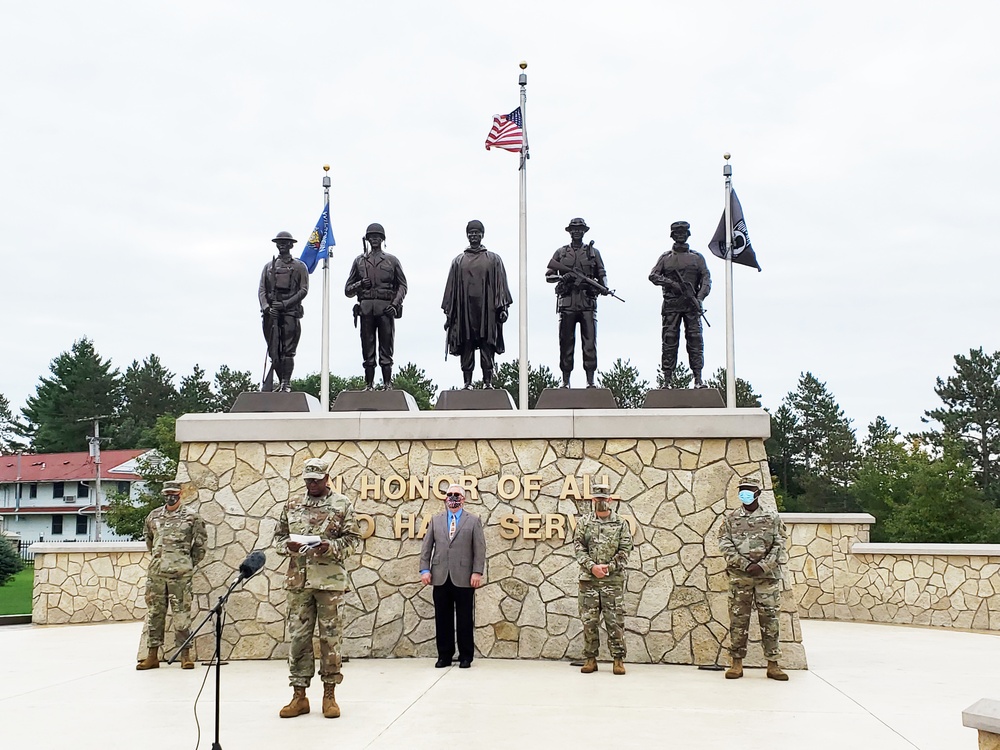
151, 151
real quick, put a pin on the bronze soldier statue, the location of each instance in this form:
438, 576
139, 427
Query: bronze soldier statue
284, 283
476, 298
682, 274
570, 269
377, 280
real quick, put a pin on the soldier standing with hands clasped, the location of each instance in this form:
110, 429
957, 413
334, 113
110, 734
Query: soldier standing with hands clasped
175, 538
602, 542
317, 532
752, 539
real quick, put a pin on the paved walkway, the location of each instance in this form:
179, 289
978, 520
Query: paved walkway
869, 686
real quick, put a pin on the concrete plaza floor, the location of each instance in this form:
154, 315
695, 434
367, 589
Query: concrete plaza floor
868, 686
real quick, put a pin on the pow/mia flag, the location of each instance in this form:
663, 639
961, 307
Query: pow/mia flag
742, 249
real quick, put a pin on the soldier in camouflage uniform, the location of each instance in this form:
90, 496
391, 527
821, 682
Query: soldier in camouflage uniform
175, 538
752, 540
602, 542
316, 581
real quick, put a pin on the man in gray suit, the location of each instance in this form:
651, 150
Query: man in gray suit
452, 557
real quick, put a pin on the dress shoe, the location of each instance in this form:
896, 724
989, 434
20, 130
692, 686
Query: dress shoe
464, 664
441, 663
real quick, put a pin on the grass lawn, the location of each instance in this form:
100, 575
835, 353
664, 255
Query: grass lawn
15, 595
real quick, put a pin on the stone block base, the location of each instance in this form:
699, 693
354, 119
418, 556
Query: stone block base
392, 400
475, 399
273, 402
576, 398
684, 398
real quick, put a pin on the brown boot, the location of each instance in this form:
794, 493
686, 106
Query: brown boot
590, 665
152, 660
736, 670
186, 661
297, 706
618, 668
330, 708
774, 672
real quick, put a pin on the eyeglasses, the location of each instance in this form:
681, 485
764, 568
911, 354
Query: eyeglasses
314, 481
456, 495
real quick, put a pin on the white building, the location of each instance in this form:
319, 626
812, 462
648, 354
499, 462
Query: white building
52, 496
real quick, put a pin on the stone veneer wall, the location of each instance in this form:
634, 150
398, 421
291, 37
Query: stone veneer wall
676, 488
837, 575
88, 582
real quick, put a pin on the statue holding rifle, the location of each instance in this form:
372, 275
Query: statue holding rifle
284, 283
683, 276
578, 272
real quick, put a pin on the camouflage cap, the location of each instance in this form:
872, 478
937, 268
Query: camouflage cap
749, 483
171, 488
315, 468
600, 489
680, 225
475, 224
577, 224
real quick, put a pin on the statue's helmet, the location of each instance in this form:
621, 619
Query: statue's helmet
577, 224
284, 236
375, 229
475, 224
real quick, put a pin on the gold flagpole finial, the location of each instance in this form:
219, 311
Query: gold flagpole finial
522, 65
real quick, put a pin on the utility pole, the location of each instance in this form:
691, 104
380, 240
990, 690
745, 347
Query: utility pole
95, 453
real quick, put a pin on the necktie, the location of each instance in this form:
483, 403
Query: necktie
451, 530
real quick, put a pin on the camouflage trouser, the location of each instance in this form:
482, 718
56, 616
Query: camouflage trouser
159, 591
607, 597
744, 591
305, 608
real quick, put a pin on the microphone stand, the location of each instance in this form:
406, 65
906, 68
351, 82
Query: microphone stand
217, 611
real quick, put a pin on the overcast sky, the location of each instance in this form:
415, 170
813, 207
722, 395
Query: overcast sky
150, 152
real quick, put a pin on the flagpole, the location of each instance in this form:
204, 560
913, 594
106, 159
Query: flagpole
727, 172
324, 376
522, 302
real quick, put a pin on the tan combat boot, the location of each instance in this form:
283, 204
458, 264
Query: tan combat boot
774, 672
186, 661
590, 665
297, 706
330, 708
736, 670
618, 668
152, 660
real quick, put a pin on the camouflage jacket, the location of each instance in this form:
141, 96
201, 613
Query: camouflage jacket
332, 519
757, 537
176, 541
600, 541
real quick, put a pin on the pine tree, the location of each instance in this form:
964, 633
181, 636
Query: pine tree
82, 386
414, 381
508, 376
745, 395
9, 429
681, 377
229, 384
149, 393
970, 416
195, 394
622, 379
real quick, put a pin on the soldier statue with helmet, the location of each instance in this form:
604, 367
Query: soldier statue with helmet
377, 280
683, 275
284, 283
578, 272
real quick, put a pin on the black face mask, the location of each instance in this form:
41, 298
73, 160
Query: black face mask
601, 505
171, 499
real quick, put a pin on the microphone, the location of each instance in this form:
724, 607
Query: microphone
252, 565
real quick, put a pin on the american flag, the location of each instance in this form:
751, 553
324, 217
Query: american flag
506, 132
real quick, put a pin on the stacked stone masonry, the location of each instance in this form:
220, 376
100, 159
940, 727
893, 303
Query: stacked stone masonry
676, 491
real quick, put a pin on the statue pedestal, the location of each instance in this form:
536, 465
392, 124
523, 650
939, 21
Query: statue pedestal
264, 402
576, 398
393, 400
684, 398
474, 399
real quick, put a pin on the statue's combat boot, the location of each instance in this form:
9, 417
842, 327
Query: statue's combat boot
590, 379
488, 379
565, 376
698, 382
369, 378
386, 377
467, 376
